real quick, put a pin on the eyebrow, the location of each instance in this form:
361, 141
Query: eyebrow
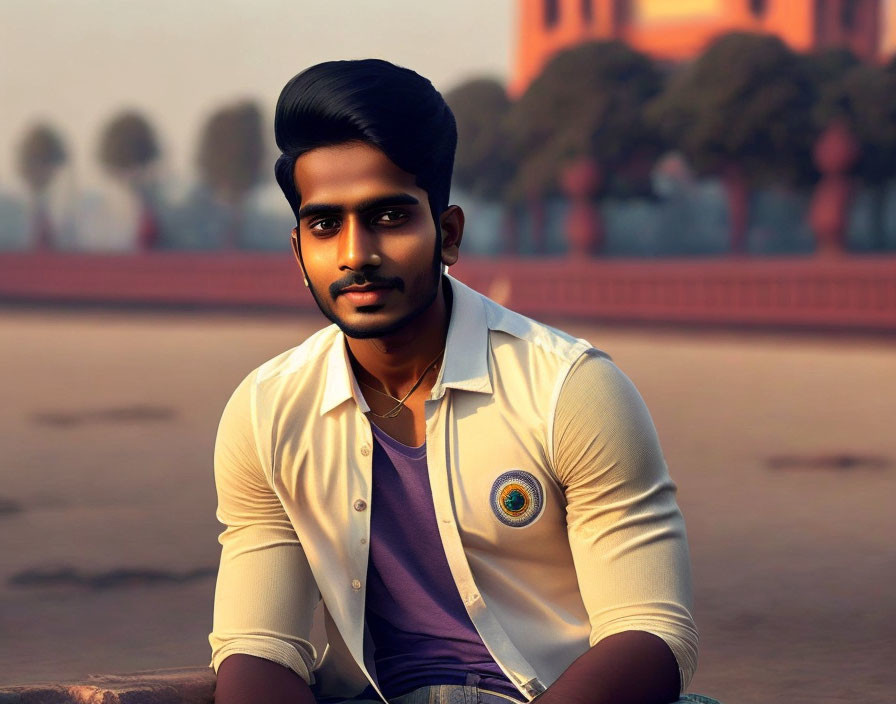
365, 205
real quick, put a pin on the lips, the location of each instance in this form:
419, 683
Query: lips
365, 295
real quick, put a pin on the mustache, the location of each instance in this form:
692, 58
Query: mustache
361, 278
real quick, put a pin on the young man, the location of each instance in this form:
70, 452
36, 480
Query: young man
480, 501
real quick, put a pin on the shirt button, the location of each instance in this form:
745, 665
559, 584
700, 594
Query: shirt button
360, 505
356, 584
365, 450
363, 541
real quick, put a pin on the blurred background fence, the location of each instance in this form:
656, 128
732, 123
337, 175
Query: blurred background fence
857, 294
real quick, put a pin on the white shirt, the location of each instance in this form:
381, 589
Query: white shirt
554, 505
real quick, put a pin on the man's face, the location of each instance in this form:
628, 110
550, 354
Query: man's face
366, 239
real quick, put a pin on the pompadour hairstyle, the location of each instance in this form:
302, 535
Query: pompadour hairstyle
373, 101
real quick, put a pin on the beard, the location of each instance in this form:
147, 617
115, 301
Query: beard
430, 290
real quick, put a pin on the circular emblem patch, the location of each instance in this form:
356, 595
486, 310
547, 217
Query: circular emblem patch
517, 498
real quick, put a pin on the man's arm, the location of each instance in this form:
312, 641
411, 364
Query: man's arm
265, 593
628, 543
246, 679
632, 667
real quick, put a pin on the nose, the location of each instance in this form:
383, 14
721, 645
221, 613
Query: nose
357, 246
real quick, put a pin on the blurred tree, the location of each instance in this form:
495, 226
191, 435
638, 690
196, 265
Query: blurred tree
482, 164
741, 111
128, 149
231, 152
836, 148
827, 66
891, 65
862, 100
40, 156
586, 106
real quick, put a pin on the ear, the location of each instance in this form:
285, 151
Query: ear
452, 225
294, 240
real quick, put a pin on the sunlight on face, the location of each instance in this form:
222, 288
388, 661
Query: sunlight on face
367, 240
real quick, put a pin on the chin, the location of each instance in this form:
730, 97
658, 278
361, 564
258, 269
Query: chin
362, 330
378, 325
373, 322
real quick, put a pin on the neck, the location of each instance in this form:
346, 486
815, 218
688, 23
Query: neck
395, 362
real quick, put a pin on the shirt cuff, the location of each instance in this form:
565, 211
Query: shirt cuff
298, 658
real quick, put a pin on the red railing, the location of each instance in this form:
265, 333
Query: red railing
846, 293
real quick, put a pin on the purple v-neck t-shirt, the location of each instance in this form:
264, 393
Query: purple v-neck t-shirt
419, 626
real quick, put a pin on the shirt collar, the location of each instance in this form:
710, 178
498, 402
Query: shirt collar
466, 349
341, 384
465, 366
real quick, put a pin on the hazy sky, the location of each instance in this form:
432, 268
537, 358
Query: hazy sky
75, 63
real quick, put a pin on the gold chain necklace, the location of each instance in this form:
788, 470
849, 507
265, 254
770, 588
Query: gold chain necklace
395, 411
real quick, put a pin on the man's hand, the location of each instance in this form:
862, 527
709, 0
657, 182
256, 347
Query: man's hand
245, 679
633, 667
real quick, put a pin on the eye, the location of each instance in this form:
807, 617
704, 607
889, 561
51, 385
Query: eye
390, 218
324, 226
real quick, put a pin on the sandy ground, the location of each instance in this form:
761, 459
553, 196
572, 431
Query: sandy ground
106, 432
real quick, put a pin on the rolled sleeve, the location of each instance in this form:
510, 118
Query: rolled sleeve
626, 531
265, 593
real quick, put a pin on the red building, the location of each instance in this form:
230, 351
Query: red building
677, 30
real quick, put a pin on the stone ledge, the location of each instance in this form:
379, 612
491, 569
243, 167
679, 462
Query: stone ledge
191, 685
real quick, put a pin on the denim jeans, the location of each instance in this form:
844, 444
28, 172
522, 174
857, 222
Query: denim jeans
463, 694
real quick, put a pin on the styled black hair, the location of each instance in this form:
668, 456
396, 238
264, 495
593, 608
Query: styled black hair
392, 108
